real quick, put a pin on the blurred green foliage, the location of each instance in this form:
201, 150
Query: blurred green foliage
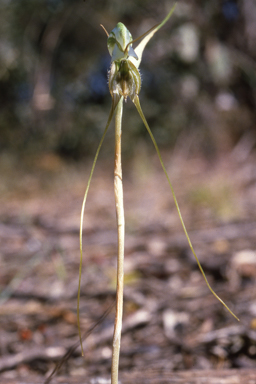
198, 73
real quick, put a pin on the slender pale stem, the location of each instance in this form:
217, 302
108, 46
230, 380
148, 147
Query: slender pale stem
118, 188
114, 104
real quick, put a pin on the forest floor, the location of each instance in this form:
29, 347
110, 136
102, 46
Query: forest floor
172, 322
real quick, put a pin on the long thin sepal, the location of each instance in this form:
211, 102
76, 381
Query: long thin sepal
147, 36
137, 105
113, 107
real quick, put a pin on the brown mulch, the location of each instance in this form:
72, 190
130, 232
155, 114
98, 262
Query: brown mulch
230, 376
172, 323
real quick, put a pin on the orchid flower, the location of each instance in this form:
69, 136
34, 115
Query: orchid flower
125, 81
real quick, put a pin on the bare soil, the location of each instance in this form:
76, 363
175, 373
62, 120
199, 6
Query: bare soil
172, 322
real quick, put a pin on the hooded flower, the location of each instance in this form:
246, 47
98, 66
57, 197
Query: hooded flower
124, 76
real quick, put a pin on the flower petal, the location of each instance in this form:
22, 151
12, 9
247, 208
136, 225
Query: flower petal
148, 35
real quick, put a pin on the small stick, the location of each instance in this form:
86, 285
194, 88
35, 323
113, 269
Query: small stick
118, 189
